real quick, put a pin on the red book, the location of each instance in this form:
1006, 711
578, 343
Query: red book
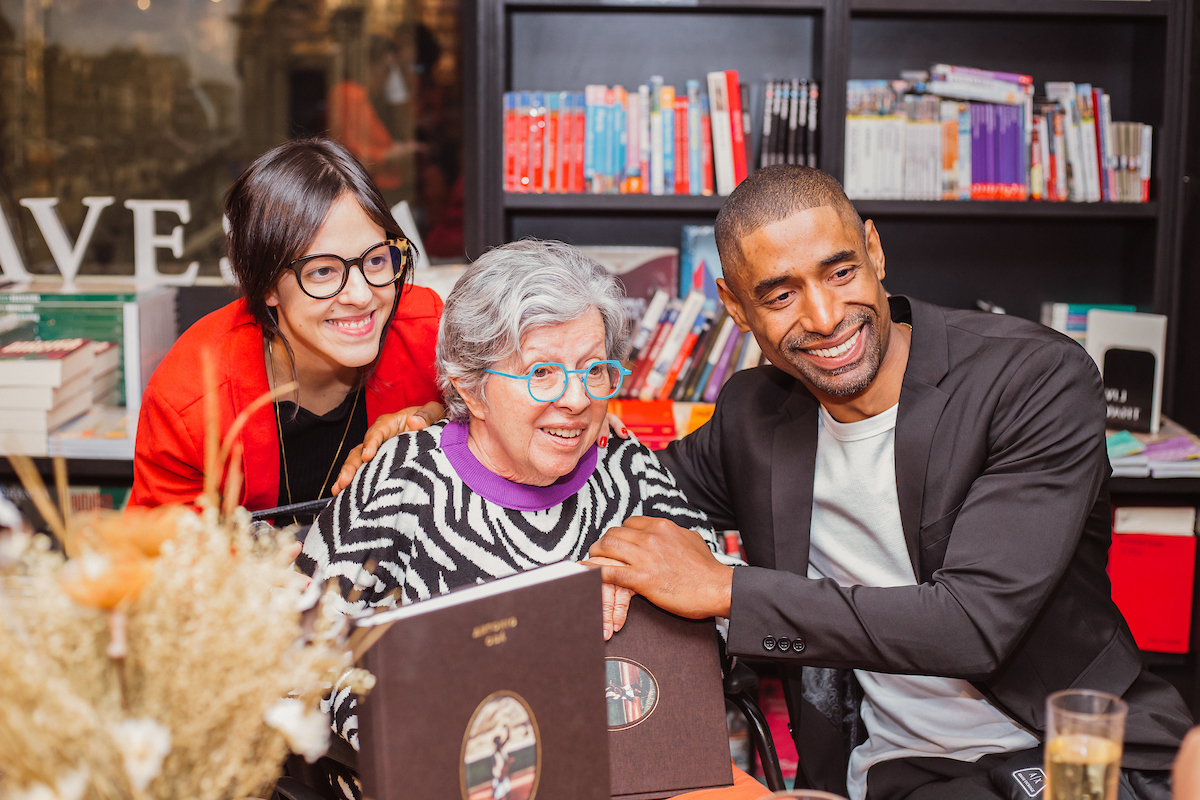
681, 145
735, 126
681, 358
578, 133
537, 144
1151, 578
522, 165
552, 178
706, 148
510, 142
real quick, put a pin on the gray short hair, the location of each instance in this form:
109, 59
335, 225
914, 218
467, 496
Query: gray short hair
509, 291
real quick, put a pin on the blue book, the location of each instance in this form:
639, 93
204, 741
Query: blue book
700, 264
589, 136
602, 135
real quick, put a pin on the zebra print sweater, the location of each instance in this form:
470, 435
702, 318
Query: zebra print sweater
424, 517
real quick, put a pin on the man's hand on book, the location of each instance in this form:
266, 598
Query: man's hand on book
670, 566
388, 426
615, 599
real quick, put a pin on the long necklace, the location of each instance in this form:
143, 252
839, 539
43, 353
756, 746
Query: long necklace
279, 426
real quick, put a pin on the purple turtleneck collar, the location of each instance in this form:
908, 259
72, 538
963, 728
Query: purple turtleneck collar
502, 491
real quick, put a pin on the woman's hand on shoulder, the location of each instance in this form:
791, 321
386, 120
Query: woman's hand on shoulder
612, 424
387, 426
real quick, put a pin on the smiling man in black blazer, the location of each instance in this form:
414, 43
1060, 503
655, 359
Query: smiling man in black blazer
922, 496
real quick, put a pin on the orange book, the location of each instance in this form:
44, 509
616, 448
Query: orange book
652, 421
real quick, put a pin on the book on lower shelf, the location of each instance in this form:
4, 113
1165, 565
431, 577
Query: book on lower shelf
1151, 564
490, 688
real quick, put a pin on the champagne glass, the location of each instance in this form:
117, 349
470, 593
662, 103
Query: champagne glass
1084, 734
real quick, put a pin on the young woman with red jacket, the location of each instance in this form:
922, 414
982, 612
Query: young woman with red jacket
323, 267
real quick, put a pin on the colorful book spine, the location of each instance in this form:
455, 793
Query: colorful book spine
564, 142
644, 137
722, 147
682, 146
728, 326
667, 103
651, 352
511, 180
524, 106
657, 175
579, 140
721, 368
537, 142
649, 323
632, 183
706, 148
681, 358
591, 100
695, 139
550, 149
733, 97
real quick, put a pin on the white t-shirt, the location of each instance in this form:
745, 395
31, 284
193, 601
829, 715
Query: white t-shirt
857, 540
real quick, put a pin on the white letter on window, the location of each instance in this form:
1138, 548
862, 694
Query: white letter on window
146, 240
67, 257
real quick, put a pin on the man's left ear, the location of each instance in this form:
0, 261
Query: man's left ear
874, 248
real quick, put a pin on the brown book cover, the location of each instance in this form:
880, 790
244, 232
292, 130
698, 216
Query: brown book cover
666, 706
494, 691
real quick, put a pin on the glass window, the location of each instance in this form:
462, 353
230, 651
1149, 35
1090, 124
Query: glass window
171, 99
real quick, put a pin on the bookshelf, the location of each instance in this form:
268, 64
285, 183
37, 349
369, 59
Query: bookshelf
1014, 254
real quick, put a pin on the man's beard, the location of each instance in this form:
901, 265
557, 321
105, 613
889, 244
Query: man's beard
843, 381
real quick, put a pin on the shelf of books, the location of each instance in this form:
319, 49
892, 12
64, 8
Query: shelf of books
1005, 209
1073, 8
673, 204
658, 5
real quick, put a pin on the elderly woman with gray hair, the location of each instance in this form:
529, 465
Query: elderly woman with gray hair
528, 355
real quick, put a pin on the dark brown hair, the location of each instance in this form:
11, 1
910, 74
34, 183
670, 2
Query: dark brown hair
277, 207
775, 193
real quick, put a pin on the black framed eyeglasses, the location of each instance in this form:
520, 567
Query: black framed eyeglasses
322, 275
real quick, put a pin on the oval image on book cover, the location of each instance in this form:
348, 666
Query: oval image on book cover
630, 692
501, 753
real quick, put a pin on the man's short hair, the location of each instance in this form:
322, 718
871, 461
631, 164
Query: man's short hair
772, 194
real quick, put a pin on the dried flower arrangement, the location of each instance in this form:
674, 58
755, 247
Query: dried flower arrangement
167, 654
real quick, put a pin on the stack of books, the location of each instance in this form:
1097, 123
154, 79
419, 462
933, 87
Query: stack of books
140, 321
43, 384
959, 133
656, 139
1172, 452
686, 350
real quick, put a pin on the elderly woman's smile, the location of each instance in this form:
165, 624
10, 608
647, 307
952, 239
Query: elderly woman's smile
532, 442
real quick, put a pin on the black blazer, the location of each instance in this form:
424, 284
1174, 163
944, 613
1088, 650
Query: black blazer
1001, 475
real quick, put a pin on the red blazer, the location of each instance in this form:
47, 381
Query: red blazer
168, 465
